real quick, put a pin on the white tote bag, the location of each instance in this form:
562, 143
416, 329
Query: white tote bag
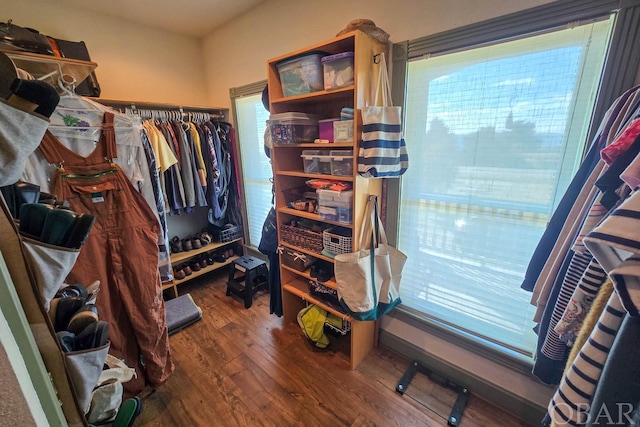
369, 280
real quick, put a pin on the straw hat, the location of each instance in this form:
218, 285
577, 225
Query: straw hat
367, 26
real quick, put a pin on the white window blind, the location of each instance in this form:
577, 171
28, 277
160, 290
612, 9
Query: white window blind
495, 134
256, 167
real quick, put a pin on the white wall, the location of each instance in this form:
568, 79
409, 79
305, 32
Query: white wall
237, 53
134, 62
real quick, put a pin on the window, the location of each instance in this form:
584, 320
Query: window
251, 119
495, 133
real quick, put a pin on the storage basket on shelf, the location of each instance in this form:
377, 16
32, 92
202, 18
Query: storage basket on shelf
337, 240
301, 237
226, 234
297, 260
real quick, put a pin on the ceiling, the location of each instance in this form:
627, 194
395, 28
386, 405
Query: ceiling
194, 18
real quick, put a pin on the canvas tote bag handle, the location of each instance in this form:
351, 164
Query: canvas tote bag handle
383, 87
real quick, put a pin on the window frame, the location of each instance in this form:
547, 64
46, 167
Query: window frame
621, 70
235, 93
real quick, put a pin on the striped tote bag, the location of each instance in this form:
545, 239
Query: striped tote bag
383, 152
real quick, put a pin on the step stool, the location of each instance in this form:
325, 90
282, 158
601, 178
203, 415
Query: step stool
247, 276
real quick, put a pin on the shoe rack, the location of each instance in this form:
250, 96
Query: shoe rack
289, 173
186, 257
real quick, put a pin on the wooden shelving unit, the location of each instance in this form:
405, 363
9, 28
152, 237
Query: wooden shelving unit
289, 172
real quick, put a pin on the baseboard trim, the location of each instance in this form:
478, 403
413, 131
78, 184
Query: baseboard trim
529, 412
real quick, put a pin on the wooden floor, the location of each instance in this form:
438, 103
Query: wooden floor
240, 367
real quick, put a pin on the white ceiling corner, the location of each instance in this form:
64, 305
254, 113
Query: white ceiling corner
193, 18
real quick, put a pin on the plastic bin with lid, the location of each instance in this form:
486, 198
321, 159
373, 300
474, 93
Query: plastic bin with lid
341, 162
293, 128
335, 205
316, 161
301, 74
338, 70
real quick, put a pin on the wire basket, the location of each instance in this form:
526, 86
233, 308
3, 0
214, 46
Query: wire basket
337, 240
227, 234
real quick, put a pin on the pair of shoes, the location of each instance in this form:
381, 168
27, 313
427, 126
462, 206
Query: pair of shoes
54, 225
219, 256
202, 260
196, 243
94, 335
195, 265
69, 309
176, 245
185, 269
210, 259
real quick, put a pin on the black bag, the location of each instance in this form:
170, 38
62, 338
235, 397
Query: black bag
269, 239
78, 50
20, 38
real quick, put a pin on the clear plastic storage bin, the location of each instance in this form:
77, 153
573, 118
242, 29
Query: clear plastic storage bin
338, 70
316, 161
341, 162
302, 74
292, 128
335, 205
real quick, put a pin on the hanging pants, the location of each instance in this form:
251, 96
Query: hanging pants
121, 251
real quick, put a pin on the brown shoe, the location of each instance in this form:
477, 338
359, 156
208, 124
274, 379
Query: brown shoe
178, 273
196, 243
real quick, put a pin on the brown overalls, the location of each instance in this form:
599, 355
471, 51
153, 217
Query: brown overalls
121, 251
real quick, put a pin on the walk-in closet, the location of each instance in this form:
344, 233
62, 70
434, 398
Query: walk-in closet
281, 213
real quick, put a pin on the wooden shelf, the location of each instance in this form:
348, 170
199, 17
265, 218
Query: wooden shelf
182, 256
301, 174
42, 65
306, 296
329, 283
315, 97
289, 173
202, 271
316, 145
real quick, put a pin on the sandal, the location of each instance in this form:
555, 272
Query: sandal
205, 237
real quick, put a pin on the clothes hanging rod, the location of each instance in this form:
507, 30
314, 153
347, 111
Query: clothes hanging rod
156, 106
